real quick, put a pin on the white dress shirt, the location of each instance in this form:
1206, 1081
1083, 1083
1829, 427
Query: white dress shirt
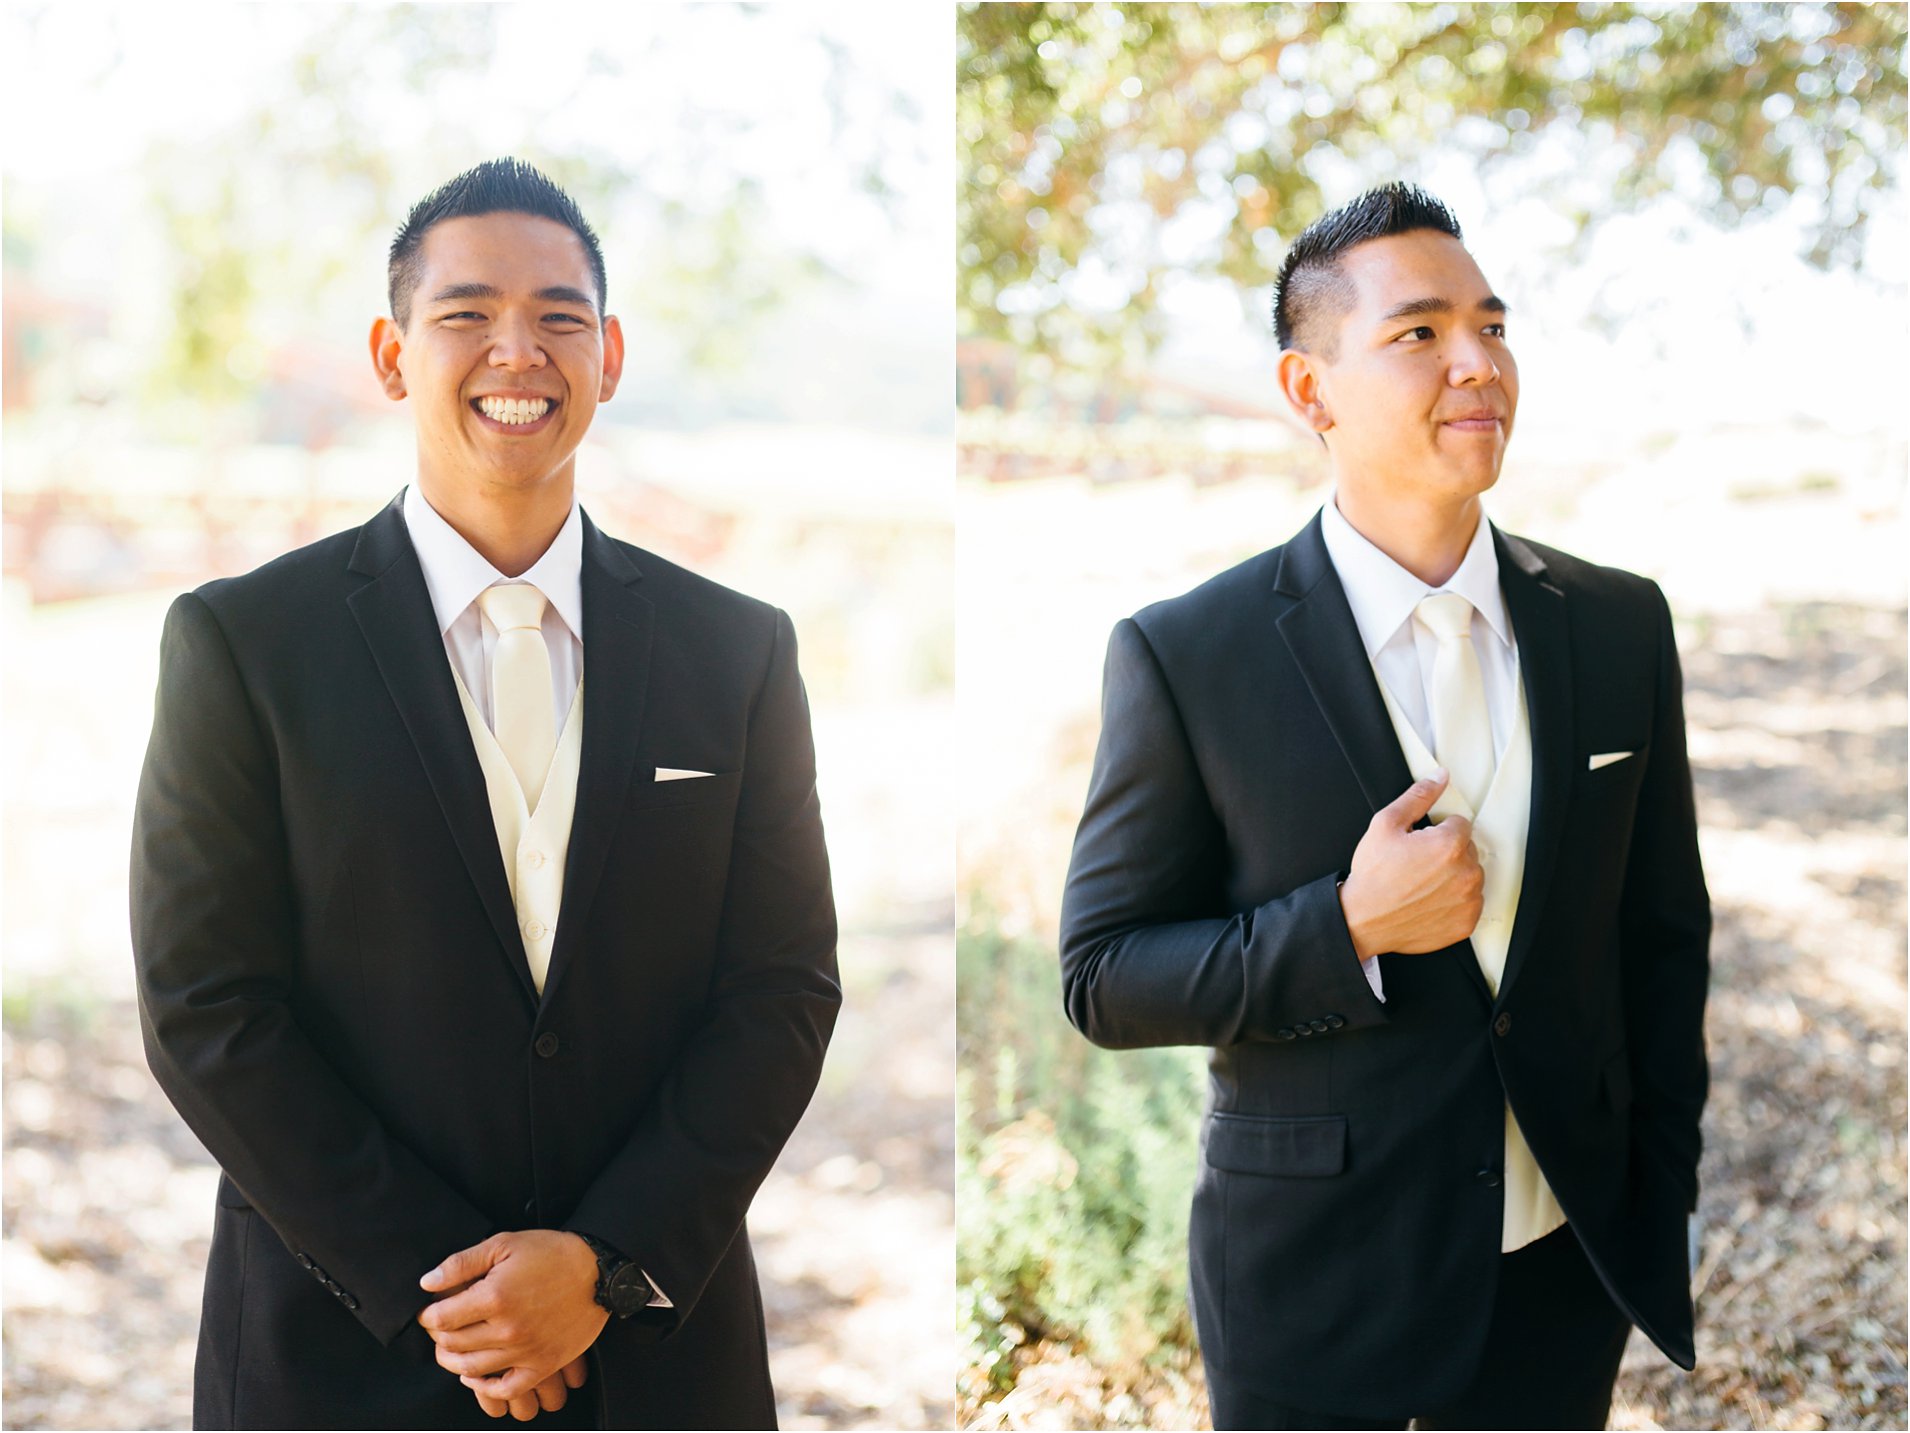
1383, 595
455, 573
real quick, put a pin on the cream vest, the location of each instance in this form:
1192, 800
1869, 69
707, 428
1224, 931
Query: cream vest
1498, 830
532, 843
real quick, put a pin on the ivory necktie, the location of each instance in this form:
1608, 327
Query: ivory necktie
522, 718
1462, 726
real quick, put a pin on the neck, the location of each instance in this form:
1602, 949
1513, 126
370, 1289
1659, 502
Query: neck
1428, 539
509, 527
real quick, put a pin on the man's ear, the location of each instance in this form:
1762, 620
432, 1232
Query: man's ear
387, 342
613, 358
1299, 379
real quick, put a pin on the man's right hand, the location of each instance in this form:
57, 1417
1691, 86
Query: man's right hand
548, 1396
1413, 891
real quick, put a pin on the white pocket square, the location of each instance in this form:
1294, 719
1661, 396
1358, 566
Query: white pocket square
1608, 757
677, 773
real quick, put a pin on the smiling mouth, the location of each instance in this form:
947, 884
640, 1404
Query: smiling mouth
1474, 425
515, 415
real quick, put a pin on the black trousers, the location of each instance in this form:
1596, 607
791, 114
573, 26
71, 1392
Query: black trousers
1550, 1358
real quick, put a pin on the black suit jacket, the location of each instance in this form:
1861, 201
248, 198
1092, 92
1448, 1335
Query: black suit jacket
1346, 1221
335, 996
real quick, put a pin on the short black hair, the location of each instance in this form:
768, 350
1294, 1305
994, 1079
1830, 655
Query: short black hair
497, 186
1313, 293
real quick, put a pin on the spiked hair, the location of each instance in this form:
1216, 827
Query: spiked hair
497, 186
1313, 292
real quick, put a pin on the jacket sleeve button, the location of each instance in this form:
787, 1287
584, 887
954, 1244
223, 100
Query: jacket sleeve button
1335, 1022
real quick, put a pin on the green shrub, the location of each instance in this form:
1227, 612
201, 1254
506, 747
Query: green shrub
1075, 1169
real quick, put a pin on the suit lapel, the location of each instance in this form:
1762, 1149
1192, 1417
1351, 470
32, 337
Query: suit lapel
618, 626
394, 612
1537, 608
1326, 643
1320, 632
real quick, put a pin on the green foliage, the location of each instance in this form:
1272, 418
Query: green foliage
1099, 140
50, 1003
1075, 1166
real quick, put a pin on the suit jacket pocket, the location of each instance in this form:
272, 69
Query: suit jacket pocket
690, 791
1614, 773
1261, 1144
229, 1195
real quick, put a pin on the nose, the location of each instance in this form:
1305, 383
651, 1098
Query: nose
1472, 364
514, 345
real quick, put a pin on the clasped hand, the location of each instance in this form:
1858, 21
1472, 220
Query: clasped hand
513, 1318
1413, 891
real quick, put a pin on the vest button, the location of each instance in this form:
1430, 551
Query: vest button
547, 1044
534, 859
1502, 1024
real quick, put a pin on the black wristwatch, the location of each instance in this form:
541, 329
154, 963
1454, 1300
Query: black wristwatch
621, 1285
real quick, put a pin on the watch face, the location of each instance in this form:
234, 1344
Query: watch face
628, 1290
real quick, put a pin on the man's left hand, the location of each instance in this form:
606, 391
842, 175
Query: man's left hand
530, 1308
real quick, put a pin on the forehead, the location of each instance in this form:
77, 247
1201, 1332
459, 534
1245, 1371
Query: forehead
1422, 264
507, 251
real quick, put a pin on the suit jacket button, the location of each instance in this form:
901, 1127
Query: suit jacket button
1335, 1022
547, 1044
1489, 1178
1502, 1024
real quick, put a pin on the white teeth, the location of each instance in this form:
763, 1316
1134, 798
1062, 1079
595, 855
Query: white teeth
514, 410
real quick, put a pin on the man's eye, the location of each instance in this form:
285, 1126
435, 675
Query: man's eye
466, 314
567, 317
1423, 331
1499, 327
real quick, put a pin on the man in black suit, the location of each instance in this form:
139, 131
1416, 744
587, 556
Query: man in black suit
489, 948
1458, 1067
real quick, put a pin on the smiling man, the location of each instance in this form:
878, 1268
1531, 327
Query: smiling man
480, 907
1397, 818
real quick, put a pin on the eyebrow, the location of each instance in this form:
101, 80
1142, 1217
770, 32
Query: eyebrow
1412, 308
556, 293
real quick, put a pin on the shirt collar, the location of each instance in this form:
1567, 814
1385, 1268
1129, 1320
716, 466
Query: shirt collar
1383, 594
455, 572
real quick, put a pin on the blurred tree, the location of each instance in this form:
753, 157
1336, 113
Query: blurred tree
1108, 147
288, 209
